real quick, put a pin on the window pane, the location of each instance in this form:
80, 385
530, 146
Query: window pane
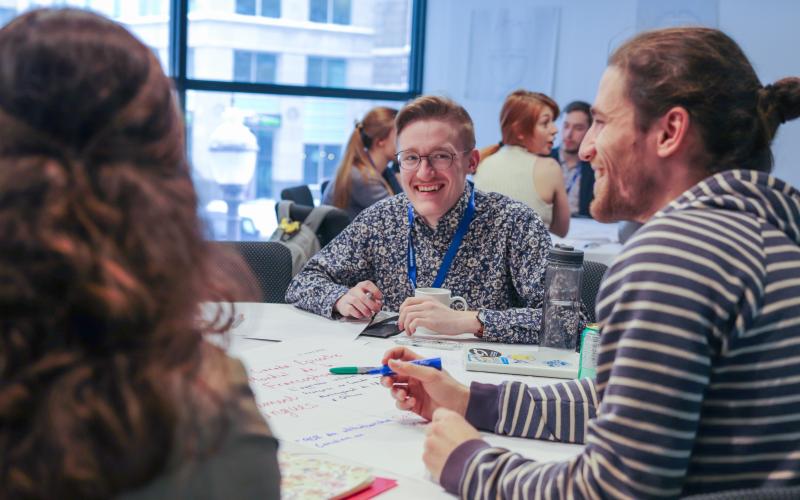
271, 8
247, 7
242, 65
265, 68
341, 11
372, 38
337, 73
314, 68
300, 141
318, 11
147, 19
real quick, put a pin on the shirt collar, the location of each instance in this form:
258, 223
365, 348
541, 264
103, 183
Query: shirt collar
449, 221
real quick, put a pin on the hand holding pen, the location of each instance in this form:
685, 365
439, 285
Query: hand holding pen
364, 300
422, 389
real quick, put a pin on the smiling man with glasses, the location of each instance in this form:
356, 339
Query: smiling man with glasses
440, 233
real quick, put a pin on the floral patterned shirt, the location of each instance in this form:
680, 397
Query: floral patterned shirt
499, 267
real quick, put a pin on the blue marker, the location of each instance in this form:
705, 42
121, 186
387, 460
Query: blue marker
383, 370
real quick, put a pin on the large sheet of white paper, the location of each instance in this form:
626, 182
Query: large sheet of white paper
352, 416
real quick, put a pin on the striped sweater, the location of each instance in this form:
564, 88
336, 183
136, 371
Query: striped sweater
698, 382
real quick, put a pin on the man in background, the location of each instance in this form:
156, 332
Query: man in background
578, 174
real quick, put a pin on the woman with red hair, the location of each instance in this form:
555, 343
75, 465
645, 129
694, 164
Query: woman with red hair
518, 166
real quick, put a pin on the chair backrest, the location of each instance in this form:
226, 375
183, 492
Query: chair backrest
298, 194
322, 186
779, 493
270, 262
333, 224
593, 273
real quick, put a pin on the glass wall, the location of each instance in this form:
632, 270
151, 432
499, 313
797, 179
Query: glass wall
271, 88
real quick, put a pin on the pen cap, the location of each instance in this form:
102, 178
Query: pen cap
431, 362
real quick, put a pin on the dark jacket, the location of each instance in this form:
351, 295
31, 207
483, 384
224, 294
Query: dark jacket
586, 186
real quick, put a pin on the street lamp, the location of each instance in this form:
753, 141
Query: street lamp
233, 151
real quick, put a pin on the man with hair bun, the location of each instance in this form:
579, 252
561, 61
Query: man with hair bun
699, 362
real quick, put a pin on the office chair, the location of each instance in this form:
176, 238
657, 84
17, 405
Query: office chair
298, 194
270, 263
593, 273
333, 224
777, 493
322, 186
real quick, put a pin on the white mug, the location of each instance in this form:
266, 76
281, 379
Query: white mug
441, 295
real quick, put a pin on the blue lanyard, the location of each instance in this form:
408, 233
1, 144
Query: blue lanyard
458, 237
574, 178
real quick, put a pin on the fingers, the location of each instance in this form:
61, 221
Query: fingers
371, 288
407, 404
361, 301
416, 322
400, 352
359, 309
421, 373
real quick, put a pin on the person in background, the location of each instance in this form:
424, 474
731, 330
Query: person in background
107, 386
440, 232
698, 373
519, 166
363, 177
578, 174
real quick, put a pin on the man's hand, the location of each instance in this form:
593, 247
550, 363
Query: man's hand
422, 389
446, 432
420, 311
362, 301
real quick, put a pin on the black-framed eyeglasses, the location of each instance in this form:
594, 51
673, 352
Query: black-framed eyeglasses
439, 160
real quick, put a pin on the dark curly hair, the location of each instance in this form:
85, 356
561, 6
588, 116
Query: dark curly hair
102, 260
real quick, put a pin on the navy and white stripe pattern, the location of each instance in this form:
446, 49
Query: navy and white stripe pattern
699, 365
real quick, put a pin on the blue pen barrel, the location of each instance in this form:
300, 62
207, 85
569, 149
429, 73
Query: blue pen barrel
430, 362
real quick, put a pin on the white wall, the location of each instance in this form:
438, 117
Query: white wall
587, 32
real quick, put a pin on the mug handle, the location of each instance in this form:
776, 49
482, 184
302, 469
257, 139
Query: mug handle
459, 302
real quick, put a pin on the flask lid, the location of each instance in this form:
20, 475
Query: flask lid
565, 254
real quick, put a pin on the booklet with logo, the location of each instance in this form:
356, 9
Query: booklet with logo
535, 361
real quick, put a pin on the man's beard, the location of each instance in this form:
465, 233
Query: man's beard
627, 196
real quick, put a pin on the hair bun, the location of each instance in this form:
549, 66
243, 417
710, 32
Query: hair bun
780, 102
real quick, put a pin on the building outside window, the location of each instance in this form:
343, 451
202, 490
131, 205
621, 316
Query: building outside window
329, 11
351, 56
265, 8
256, 67
326, 72
150, 8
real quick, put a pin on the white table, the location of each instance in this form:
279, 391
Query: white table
299, 331
598, 241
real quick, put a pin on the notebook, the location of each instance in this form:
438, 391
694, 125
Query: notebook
535, 361
309, 476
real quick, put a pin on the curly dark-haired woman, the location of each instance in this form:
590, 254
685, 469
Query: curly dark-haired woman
107, 387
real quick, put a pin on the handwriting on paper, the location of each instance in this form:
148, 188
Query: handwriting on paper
301, 384
344, 433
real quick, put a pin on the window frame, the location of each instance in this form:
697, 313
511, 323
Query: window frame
178, 48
